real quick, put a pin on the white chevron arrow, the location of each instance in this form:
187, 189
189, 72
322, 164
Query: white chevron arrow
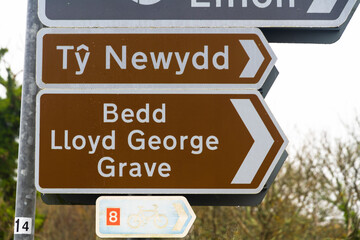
255, 61
182, 217
262, 141
322, 6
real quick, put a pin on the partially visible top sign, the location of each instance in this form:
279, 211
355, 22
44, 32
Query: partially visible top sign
195, 13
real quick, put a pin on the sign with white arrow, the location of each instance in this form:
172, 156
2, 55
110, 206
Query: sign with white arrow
143, 217
202, 58
195, 13
155, 142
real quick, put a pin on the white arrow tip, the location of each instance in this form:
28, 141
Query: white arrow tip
262, 141
322, 6
255, 58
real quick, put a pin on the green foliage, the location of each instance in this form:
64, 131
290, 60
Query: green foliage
334, 171
9, 133
9, 128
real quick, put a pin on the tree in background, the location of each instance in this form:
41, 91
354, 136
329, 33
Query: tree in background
292, 209
315, 196
9, 130
337, 166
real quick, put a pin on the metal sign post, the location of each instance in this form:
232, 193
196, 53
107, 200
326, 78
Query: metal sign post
26, 192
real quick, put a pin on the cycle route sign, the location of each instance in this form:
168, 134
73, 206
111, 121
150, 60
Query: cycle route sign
143, 217
196, 13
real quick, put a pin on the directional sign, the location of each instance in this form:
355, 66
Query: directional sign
223, 58
143, 217
194, 199
195, 13
118, 141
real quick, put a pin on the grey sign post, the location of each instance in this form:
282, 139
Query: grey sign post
26, 192
322, 14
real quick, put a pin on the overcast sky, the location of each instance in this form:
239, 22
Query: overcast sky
318, 85
317, 88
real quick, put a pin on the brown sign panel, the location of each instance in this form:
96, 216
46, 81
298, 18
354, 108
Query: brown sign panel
199, 58
154, 142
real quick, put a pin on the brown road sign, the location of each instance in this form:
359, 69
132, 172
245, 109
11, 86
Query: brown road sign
202, 58
164, 141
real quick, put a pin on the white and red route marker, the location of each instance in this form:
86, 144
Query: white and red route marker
143, 217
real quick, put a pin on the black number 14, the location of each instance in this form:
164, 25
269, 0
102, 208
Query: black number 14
25, 226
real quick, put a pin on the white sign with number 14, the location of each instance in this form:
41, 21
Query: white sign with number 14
22, 225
